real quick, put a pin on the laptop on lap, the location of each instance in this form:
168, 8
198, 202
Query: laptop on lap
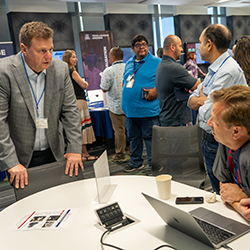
202, 224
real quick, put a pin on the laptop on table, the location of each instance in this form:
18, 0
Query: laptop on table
202, 224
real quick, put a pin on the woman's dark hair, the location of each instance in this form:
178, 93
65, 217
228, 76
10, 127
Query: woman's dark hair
242, 55
159, 52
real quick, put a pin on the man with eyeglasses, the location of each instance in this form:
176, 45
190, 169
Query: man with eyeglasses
139, 101
37, 102
223, 72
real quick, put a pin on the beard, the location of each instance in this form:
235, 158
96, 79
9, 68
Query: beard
177, 55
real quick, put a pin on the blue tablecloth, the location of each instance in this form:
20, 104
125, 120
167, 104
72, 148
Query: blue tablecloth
101, 122
2, 176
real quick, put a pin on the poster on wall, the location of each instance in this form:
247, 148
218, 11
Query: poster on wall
95, 47
6, 49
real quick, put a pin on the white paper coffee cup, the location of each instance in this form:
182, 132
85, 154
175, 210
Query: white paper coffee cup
163, 183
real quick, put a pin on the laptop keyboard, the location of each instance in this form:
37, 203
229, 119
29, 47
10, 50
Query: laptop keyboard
215, 234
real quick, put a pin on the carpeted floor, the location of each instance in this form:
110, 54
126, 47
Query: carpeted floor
7, 196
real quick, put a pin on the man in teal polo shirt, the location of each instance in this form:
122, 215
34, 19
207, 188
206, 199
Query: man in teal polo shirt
139, 101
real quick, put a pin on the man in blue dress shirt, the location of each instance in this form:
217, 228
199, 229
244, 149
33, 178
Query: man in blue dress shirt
222, 73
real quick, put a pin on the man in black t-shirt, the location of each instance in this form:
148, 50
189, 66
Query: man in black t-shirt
172, 84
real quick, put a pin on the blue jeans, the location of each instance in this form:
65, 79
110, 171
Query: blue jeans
209, 152
140, 129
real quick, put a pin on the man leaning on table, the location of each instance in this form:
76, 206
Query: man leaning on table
222, 73
37, 102
230, 125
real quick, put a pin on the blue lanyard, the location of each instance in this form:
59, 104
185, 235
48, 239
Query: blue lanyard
37, 102
135, 70
215, 72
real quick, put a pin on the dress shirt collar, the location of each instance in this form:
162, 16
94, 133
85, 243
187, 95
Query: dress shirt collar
217, 63
31, 73
116, 62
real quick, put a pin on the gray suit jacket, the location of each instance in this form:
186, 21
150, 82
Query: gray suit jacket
17, 113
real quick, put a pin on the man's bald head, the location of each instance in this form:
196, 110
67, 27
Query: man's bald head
220, 35
170, 39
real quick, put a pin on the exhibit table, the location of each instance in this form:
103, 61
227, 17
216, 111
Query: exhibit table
81, 232
101, 122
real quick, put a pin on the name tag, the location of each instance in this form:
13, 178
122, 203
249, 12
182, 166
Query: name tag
130, 83
42, 123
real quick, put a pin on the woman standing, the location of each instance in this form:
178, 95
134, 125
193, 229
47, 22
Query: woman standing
88, 135
191, 65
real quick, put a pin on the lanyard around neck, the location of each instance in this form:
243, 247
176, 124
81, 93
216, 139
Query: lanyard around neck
34, 96
215, 72
135, 70
234, 167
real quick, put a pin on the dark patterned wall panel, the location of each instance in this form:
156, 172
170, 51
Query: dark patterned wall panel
60, 22
239, 26
125, 26
189, 27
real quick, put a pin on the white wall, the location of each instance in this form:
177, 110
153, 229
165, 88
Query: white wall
238, 11
127, 8
92, 7
36, 6
190, 10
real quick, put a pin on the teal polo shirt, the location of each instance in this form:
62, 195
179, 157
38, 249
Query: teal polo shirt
132, 103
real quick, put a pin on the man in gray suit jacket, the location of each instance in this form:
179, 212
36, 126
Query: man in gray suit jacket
37, 102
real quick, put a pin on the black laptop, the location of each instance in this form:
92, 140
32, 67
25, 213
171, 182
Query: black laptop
202, 224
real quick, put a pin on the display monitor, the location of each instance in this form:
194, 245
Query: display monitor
58, 54
182, 59
194, 47
128, 53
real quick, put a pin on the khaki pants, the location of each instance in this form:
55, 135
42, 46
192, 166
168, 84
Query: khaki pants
119, 128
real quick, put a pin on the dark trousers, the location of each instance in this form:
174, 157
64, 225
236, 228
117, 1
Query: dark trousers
140, 129
41, 158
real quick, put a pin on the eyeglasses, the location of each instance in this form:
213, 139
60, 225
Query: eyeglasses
139, 45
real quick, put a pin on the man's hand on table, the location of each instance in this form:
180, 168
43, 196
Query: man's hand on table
20, 175
73, 163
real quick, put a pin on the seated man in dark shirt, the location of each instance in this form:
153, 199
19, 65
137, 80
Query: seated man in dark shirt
230, 124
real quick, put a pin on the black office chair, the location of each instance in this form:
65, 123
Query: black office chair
177, 151
46, 176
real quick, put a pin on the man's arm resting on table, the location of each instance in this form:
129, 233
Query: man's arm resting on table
242, 207
72, 128
231, 192
19, 174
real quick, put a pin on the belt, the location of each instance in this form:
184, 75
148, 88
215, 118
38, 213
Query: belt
209, 137
38, 152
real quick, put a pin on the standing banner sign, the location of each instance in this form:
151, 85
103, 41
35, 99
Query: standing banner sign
6, 49
95, 46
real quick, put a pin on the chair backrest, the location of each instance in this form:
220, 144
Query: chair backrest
177, 151
46, 176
